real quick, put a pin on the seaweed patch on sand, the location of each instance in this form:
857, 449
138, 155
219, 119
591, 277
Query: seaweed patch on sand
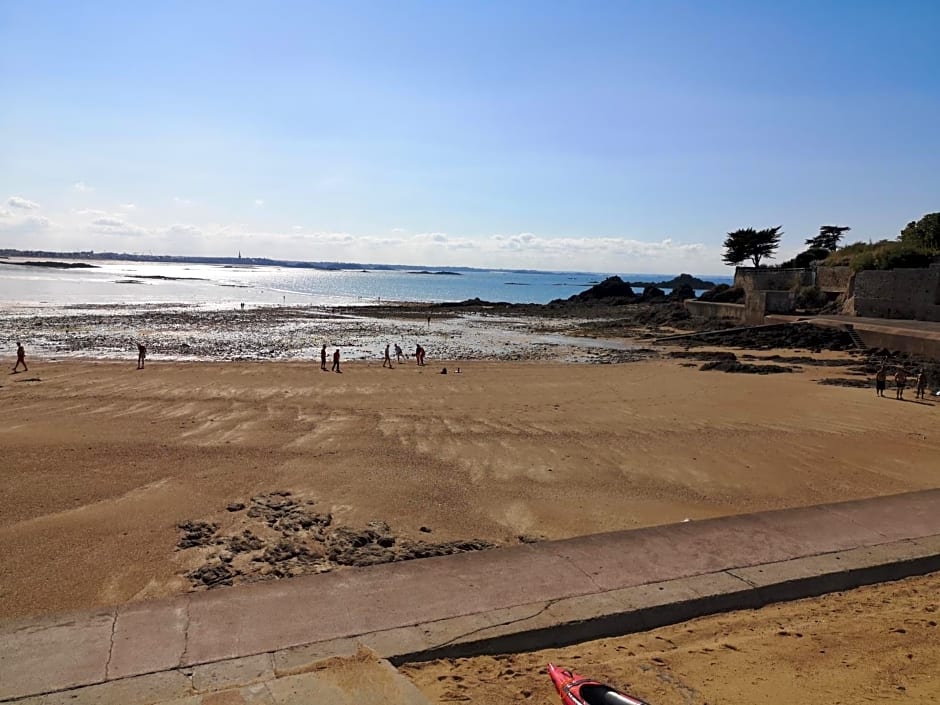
277, 535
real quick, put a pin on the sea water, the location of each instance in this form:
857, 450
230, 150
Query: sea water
205, 285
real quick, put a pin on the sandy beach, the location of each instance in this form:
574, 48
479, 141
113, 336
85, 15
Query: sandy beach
102, 462
875, 644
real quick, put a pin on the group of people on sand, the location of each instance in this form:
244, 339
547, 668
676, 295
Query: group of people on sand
142, 356
335, 366
399, 355
900, 382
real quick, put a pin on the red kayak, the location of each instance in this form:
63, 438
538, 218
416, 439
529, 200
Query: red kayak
575, 689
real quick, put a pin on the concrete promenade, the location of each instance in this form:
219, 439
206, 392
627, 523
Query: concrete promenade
917, 337
254, 640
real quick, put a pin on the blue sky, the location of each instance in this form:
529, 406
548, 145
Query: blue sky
614, 137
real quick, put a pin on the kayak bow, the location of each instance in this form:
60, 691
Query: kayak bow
575, 689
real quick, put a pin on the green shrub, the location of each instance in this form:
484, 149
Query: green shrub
885, 254
810, 298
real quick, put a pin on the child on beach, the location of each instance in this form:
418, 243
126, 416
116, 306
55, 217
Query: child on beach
323, 358
398, 353
141, 354
921, 384
335, 367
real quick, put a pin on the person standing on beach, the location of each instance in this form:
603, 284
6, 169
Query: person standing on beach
921, 384
141, 355
387, 362
20, 358
398, 353
429, 321
881, 377
419, 355
335, 367
323, 358
900, 381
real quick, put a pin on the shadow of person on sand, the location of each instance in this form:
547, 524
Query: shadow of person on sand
28, 379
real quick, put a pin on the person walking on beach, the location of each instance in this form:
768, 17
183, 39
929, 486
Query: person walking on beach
900, 381
335, 367
323, 358
398, 353
921, 384
20, 358
141, 355
388, 358
419, 355
429, 321
881, 377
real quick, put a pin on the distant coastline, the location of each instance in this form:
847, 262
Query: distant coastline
247, 262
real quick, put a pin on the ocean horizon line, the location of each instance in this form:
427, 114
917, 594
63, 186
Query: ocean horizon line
328, 265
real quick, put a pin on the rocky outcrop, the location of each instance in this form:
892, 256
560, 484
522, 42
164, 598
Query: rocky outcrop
281, 536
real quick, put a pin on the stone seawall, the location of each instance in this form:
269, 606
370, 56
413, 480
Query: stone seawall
899, 293
711, 309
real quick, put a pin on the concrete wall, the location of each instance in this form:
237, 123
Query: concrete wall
751, 279
899, 293
779, 301
710, 309
834, 280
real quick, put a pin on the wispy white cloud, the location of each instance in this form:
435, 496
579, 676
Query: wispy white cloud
116, 226
80, 228
28, 225
82, 187
182, 201
23, 203
259, 203
184, 230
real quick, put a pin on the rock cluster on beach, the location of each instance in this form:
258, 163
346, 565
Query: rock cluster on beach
278, 535
798, 336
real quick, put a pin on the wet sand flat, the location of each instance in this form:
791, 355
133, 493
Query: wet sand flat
101, 461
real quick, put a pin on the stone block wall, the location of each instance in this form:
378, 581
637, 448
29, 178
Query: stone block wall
753, 279
779, 301
711, 309
899, 293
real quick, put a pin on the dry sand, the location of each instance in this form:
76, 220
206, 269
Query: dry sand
101, 461
878, 644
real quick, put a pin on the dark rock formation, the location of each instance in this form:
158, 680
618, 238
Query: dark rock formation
196, 533
743, 367
611, 290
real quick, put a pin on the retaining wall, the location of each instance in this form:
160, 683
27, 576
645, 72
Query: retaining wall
711, 309
899, 293
753, 279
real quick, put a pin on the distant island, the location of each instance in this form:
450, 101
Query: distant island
677, 282
425, 271
56, 265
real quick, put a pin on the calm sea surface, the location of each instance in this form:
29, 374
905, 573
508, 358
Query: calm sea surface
114, 283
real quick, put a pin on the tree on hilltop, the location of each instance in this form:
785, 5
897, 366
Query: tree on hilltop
751, 244
923, 233
828, 238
